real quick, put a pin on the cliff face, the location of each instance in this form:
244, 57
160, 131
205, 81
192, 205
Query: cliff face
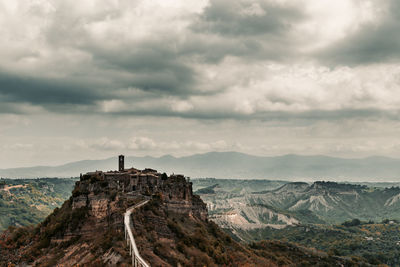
172, 229
175, 192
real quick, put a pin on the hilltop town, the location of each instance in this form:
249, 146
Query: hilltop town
175, 191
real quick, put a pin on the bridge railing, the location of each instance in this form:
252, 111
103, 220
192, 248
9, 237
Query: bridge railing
137, 260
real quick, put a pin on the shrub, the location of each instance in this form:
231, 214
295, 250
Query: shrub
354, 222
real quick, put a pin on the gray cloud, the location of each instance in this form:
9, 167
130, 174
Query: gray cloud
252, 30
150, 65
282, 116
247, 18
10, 108
45, 91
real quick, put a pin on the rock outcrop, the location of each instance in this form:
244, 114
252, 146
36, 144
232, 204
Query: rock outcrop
175, 191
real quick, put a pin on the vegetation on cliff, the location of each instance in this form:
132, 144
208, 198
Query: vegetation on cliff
378, 243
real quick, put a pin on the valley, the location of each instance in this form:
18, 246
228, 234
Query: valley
343, 219
256, 203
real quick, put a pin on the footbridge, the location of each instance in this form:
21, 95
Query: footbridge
137, 260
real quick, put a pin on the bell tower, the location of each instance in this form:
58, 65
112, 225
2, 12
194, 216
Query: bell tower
121, 162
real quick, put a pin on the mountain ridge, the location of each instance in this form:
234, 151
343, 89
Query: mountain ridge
236, 165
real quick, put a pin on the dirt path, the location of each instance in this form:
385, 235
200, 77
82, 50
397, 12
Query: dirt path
7, 188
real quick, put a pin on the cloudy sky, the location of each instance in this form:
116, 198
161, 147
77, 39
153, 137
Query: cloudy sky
92, 79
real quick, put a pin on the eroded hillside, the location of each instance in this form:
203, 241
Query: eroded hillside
298, 203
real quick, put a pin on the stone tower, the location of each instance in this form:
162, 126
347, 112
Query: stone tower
121, 159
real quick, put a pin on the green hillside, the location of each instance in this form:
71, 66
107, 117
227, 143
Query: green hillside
29, 201
376, 242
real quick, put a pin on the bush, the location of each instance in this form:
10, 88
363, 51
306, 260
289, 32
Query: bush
113, 194
354, 222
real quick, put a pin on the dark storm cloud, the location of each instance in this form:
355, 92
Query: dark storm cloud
372, 43
152, 66
47, 91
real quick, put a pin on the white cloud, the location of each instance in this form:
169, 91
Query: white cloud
106, 144
148, 144
181, 106
141, 143
331, 21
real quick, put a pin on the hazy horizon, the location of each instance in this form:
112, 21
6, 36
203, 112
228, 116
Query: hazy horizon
234, 165
195, 154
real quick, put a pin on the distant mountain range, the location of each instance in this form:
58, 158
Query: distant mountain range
235, 165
